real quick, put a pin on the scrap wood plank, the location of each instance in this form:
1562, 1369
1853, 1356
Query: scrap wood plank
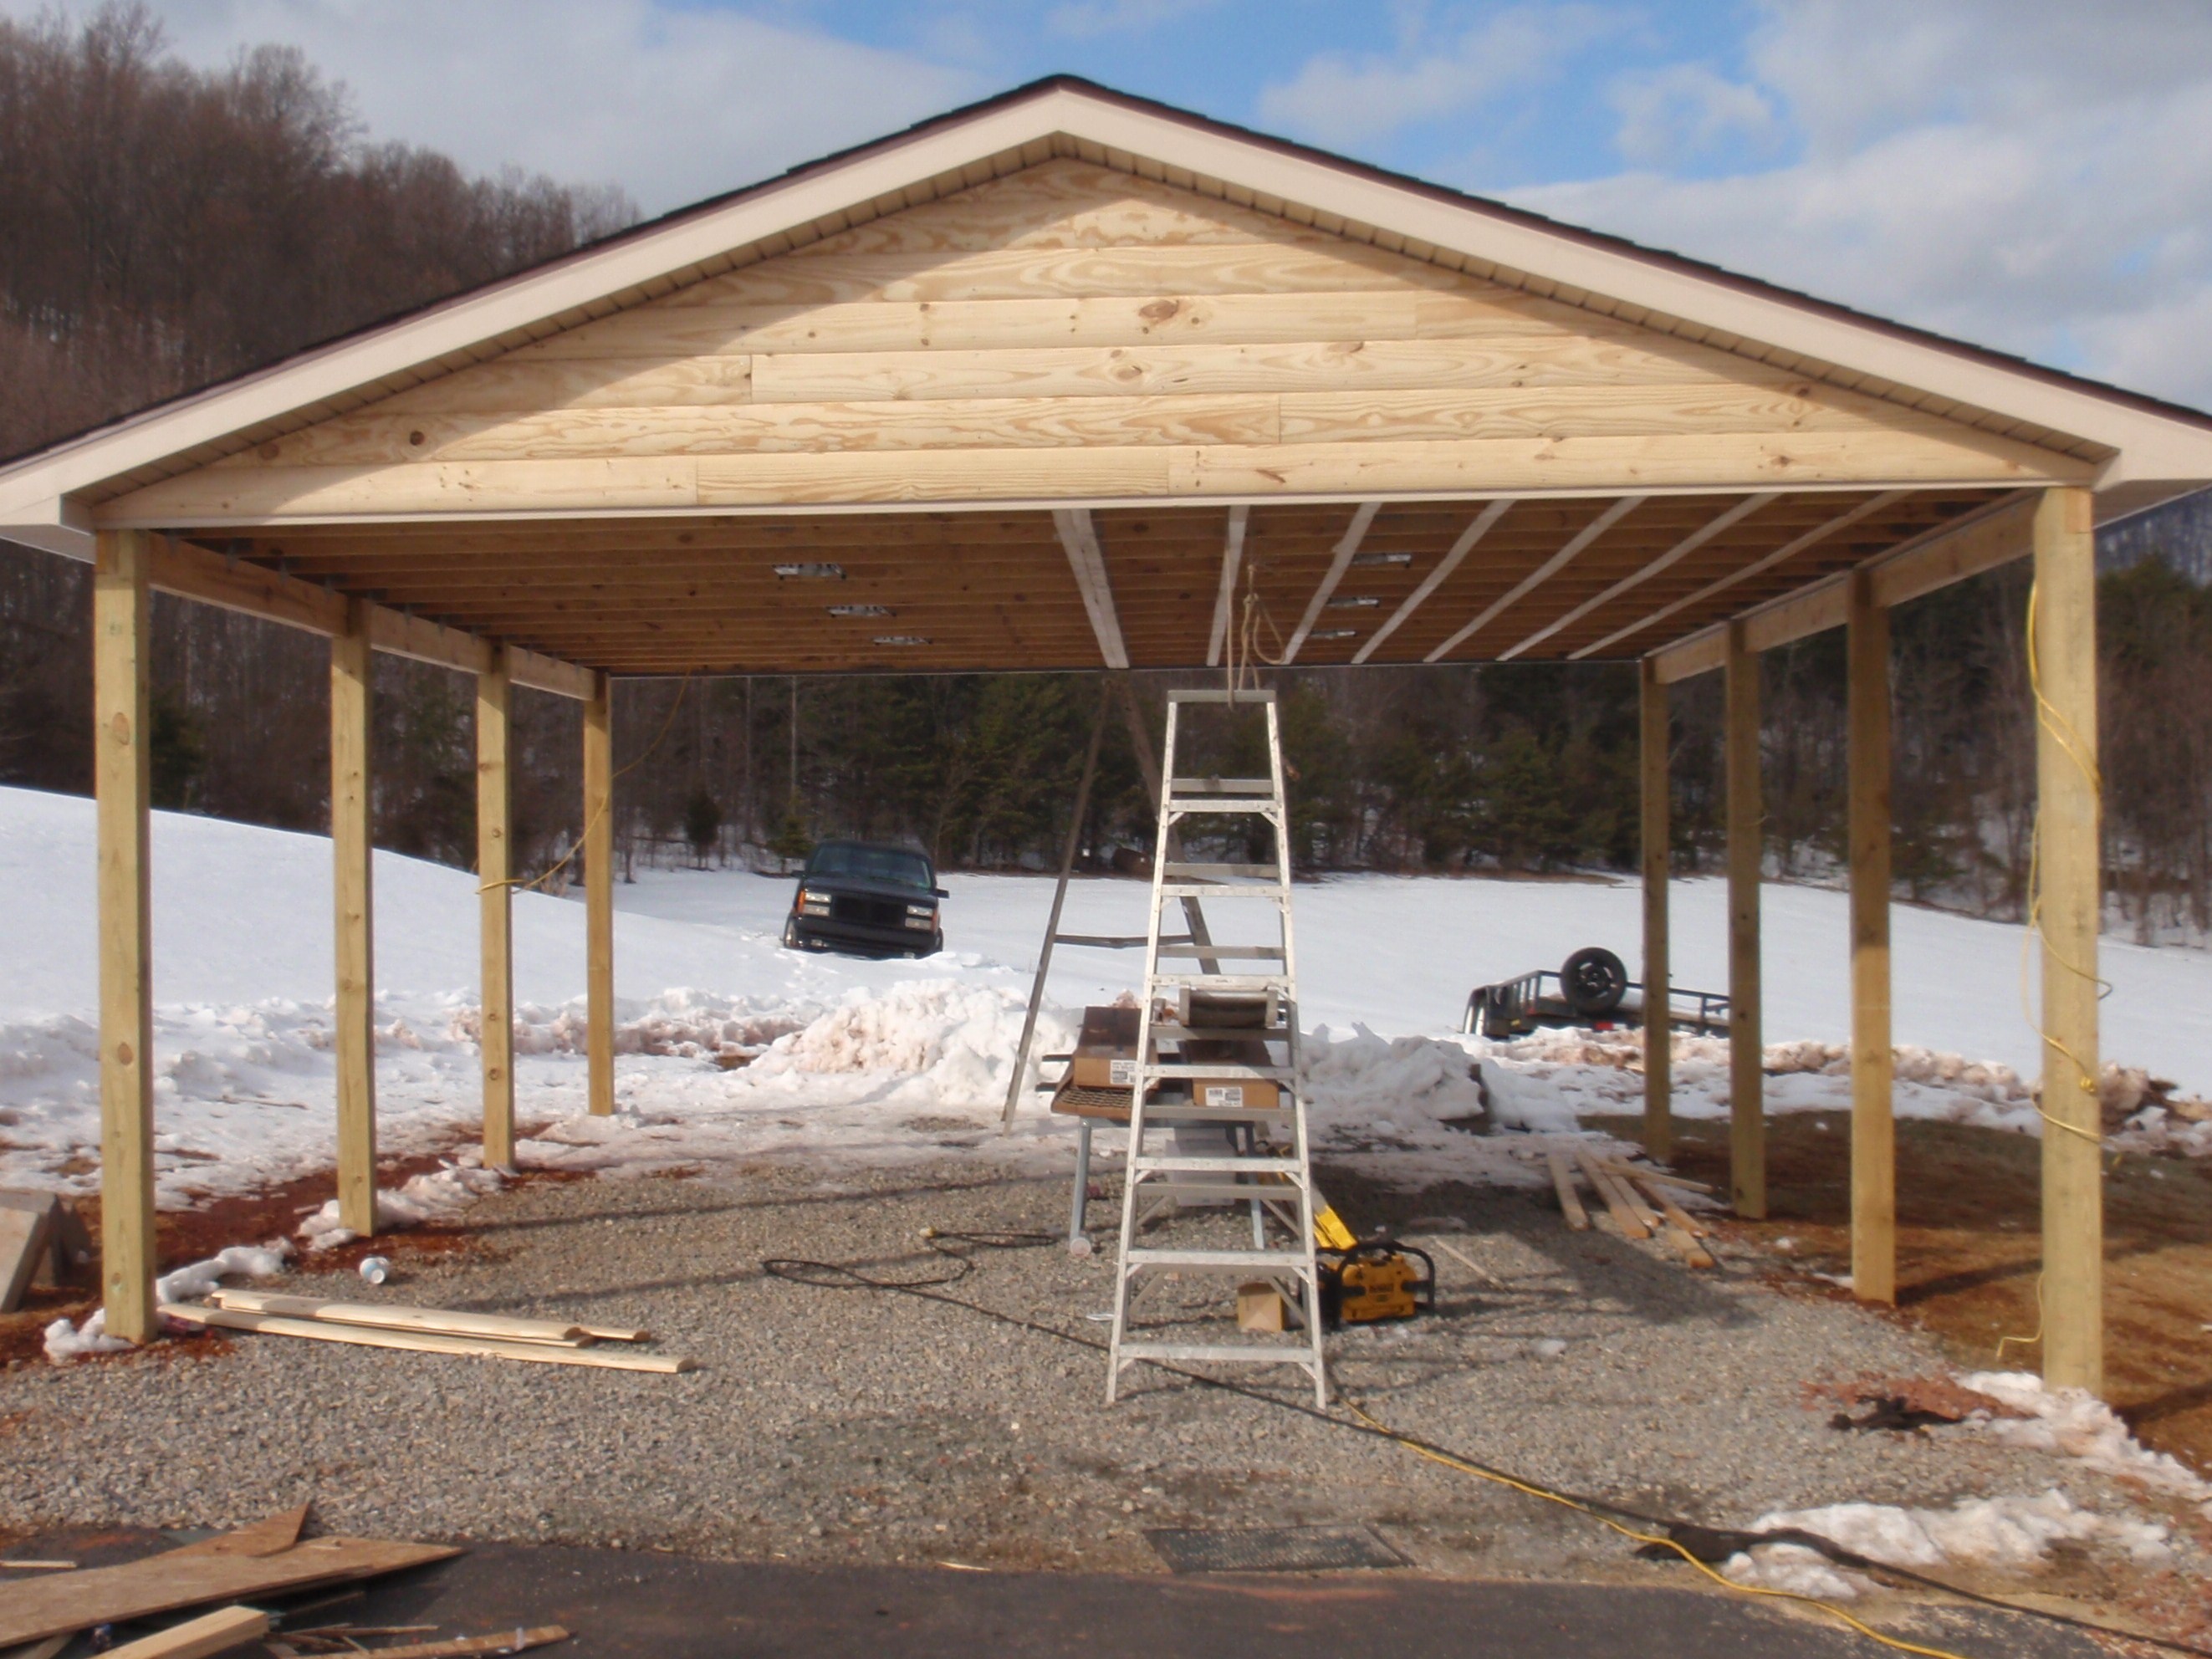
1688, 1249
27, 1222
365, 1336
1676, 1216
279, 1532
1571, 1202
1646, 1172
48, 1649
161, 1584
512, 1641
211, 1633
1625, 1211
439, 1322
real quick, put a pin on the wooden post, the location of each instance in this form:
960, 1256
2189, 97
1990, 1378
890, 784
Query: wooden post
1874, 1131
599, 892
353, 1040
1658, 1007
1746, 1079
495, 865
2063, 666
122, 787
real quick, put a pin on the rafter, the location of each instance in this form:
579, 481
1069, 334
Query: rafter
1232, 558
1354, 534
1483, 523
1682, 550
1080, 537
1543, 572
1789, 549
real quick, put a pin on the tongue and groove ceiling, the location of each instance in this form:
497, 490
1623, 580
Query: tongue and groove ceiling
1072, 414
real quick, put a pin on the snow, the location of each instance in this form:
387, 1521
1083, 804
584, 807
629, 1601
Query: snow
65, 1341
897, 1060
2074, 1423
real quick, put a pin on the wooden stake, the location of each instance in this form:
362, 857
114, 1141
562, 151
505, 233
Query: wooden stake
1658, 1009
2063, 667
122, 787
495, 866
599, 891
1873, 1131
1747, 1080
1571, 1202
354, 1016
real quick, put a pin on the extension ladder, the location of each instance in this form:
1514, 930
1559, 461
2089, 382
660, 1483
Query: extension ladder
1192, 999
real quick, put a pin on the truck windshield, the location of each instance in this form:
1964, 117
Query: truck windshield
885, 864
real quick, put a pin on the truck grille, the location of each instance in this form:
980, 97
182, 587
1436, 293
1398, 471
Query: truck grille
867, 912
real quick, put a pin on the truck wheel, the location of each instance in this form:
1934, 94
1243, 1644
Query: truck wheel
791, 936
1593, 981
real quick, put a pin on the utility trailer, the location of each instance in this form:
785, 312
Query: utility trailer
1591, 988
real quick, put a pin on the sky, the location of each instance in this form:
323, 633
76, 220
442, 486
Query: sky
2034, 175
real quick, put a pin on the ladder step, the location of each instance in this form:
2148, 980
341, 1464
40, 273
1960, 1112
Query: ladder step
1231, 1353
1160, 1114
1222, 803
1256, 1073
1254, 695
1221, 786
1208, 1192
1251, 952
1286, 1261
1222, 982
1219, 871
1165, 1031
1233, 1165
1207, 889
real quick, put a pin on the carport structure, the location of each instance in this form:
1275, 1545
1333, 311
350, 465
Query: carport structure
1071, 381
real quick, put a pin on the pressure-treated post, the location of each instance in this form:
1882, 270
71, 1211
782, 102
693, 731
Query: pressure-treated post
599, 893
2063, 666
1746, 1079
495, 796
1874, 1131
1658, 1009
122, 784
354, 1014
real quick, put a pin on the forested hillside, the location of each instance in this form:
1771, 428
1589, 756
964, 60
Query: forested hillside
161, 227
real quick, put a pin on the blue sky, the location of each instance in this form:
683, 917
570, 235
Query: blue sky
2034, 175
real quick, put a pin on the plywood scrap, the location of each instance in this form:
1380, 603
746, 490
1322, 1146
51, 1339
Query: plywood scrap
1627, 1214
211, 1633
543, 1353
279, 1532
26, 1224
1571, 1202
511, 1641
162, 1583
439, 1322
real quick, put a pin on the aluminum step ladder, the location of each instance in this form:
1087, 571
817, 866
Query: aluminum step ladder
1220, 990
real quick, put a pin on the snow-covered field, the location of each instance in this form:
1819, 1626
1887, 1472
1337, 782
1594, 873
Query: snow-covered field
889, 1060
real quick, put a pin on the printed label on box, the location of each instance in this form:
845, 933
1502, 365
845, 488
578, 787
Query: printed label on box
1123, 1074
1224, 1094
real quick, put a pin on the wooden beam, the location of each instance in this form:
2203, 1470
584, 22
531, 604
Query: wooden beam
122, 650
193, 573
2062, 671
1232, 560
1079, 538
1674, 555
1657, 860
1746, 1075
1339, 562
1965, 547
354, 1011
1478, 527
1873, 1131
1788, 550
1558, 561
599, 895
494, 869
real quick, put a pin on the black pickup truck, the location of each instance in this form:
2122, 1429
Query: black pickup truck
867, 901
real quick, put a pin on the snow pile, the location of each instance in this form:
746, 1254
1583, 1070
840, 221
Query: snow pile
427, 1197
952, 1043
2074, 1423
65, 1341
1995, 1532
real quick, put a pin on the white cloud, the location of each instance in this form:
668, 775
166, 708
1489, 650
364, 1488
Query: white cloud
1084, 20
673, 103
2032, 177
1339, 99
1681, 111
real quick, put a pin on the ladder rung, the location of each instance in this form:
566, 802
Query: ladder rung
1220, 871
1223, 982
1208, 1192
1221, 786
1287, 1261
1208, 889
1253, 1353
1252, 952
1255, 696
1163, 1112
1226, 1070
1232, 1165
1167, 1030
1102, 941
1220, 804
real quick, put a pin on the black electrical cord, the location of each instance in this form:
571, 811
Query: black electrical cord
1700, 1542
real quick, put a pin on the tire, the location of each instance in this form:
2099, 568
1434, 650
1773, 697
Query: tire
1593, 981
790, 935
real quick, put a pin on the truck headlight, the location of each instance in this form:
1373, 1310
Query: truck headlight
813, 904
926, 912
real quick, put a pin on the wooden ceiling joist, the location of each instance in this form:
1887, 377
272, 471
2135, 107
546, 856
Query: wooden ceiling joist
1340, 557
1088, 560
1476, 528
1558, 561
1232, 558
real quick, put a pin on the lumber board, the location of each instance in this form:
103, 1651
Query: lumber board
1667, 1177
1866, 842
1655, 850
1745, 823
1616, 1199
353, 1010
267, 1536
196, 1638
543, 1353
27, 1229
1686, 1245
443, 1321
599, 852
1563, 1183
495, 909
68, 1602
1675, 1215
511, 1641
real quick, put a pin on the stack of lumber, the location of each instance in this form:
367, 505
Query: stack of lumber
1636, 1196
424, 1330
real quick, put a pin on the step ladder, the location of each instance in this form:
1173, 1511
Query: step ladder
1198, 992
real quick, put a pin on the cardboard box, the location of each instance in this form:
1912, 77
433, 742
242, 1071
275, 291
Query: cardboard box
1106, 1049
1257, 1093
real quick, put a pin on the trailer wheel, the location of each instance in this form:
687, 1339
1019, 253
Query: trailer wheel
1593, 981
